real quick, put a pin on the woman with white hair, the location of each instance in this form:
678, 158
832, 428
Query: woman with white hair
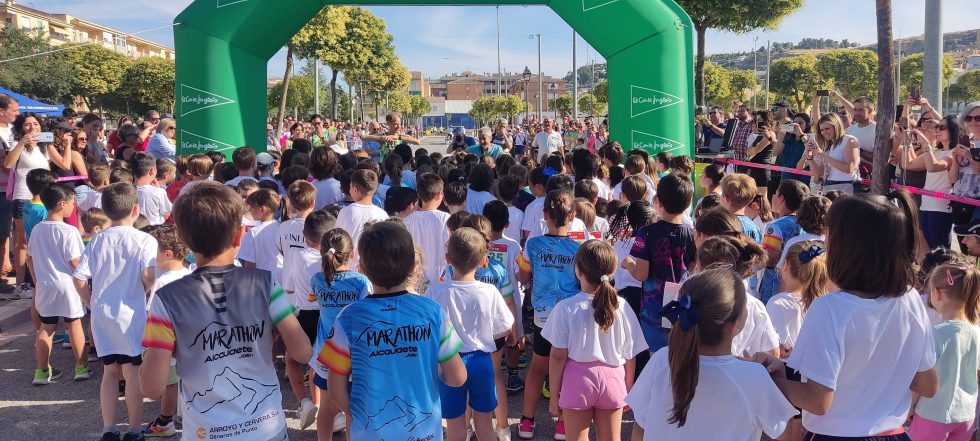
161, 145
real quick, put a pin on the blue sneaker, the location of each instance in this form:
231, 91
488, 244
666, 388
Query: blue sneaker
60, 337
522, 361
514, 383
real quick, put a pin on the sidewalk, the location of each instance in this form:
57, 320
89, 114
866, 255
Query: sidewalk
13, 312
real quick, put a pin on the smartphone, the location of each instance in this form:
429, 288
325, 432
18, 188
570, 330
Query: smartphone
975, 153
899, 111
964, 140
823, 92
915, 93
788, 127
45, 137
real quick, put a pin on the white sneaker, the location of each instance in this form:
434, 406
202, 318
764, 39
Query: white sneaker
25, 291
503, 434
306, 413
339, 422
470, 435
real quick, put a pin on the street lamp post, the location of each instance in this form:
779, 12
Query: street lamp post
527, 81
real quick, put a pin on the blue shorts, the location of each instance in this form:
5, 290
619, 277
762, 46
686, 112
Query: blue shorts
479, 387
319, 381
19, 206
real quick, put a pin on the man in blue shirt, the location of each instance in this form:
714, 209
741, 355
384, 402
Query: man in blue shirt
485, 146
713, 128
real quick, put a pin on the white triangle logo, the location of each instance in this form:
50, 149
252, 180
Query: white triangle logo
193, 100
653, 143
644, 100
193, 143
588, 5
223, 3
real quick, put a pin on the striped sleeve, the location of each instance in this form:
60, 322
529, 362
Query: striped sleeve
449, 342
506, 287
773, 239
523, 263
279, 305
335, 354
159, 332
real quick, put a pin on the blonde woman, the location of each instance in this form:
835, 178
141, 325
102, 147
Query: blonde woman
161, 145
834, 157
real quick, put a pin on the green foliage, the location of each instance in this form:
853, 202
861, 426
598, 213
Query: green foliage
913, 71
485, 110
966, 88
741, 80
509, 105
601, 91
853, 72
717, 83
585, 74
561, 104
96, 71
419, 106
588, 103
796, 78
42, 77
150, 81
300, 97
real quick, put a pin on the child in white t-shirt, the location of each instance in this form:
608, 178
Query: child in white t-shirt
171, 255
121, 262
508, 187
804, 278
353, 217
300, 199
955, 293
153, 200
505, 249
482, 321
594, 338
98, 180
695, 388
55, 248
260, 243
428, 227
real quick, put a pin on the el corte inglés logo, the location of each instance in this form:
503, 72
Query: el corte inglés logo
645, 100
653, 143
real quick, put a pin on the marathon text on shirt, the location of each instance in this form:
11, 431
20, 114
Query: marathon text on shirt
227, 340
644, 100
550, 260
653, 143
391, 339
193, 99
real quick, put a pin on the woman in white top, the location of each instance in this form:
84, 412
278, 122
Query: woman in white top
864, 350
935, 214
695, 389
28, 154
835, 157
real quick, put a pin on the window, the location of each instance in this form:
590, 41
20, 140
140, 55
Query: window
120, 41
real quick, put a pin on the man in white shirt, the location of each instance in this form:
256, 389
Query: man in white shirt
863, 128
9, 109
548, 140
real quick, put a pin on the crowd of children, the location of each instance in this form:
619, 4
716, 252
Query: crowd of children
402, 298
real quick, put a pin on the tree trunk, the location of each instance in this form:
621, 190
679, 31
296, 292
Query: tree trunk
333, 94
886, 98
699, 66
285, 87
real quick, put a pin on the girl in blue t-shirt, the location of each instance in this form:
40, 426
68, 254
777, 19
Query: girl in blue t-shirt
335, 288
546, 263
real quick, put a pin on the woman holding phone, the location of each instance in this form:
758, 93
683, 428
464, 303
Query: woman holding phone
761, 148
936, 214
833, 156
28, 154
791, 145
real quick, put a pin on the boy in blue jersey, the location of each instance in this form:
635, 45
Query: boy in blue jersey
785, 202
737, 192
385, 352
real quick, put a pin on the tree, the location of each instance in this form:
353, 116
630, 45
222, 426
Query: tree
150, 81
912, 72
601, 91
966, 88
585, 74
886, 97
509, 105
717, 83
561, 104
484, 110
299, 97
735, 17
796, 77
742, 80
853, 72
588, 103
42, 77
419, 106
96, 71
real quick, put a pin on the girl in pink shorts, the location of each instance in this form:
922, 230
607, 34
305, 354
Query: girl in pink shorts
594, 337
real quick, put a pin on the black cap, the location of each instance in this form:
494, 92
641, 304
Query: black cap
971, 229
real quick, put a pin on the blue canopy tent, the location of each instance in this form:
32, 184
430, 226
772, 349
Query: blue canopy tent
32, 105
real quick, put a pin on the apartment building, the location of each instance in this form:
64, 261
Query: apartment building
469, 86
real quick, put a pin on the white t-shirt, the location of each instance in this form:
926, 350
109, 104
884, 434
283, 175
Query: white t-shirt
622, 277
572, 326
865, 135
92, 200
837, 152
786, 313
327, 192
260, 245
52, 247
867, 351
165, 279
939, 182
475, 200
297, 271
429, 232
758, 334
802, 237
576, 229
604, 191
515, 220
506, 250
114, 260
154, 203
617, 191
352, 219
7, 135
476, 309
27, 162
289, 238
547, 143
599, 229
533, 213
233, 182
735, 400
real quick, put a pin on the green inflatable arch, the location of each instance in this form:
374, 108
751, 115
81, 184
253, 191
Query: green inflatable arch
223, 47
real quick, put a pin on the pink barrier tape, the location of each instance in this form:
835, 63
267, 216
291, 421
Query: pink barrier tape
72, 178
914, 190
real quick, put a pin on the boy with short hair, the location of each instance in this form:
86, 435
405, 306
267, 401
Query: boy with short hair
55, 248
352, 218
480, 314
98, 180
634, 188
787, 200
166, 173
300, 198
534, 212
737, 192
260, 243
121, 263
455, 196
93, 221
663, 252
393, 346
508, 188
636, 165
506, 250
38, 180
221, 318
244, 160
153, 200
120, 174
428, 227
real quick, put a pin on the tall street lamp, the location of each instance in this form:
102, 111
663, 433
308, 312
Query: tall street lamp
527, 81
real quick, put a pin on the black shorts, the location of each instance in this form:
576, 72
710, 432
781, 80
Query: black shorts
541, 345
121, 359
19, 207
54, 320
6, 215
309, 319
499, 343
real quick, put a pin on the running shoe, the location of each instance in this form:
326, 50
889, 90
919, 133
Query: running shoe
306, 413
45, 376
503, 434
133, 436
83, 372
522, 361
60, 337
6, 288
514, 383
158, 430
545, 390
92, 355
560, 431
110, 436
339, 422
25, 291
525, 430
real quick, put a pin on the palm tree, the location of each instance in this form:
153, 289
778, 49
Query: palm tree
886, 97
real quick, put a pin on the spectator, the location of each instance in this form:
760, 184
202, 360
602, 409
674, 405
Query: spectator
161, 145
834, 157
486, 145
548, 141
743, 128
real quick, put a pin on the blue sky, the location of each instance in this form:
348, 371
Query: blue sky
445, 39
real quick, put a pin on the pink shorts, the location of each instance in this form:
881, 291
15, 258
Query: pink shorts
592, 385
925, 429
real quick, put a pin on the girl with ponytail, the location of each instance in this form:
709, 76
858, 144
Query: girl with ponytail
334, 288
695, 389
594, 337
